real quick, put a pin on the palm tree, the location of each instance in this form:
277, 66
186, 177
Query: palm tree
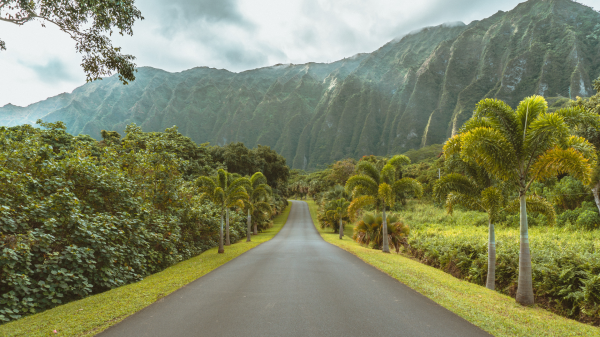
380, 188
369, 229
258, 202
338, 210
521, 146
224, 192
458, 189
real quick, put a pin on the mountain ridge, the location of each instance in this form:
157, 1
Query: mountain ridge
412, 92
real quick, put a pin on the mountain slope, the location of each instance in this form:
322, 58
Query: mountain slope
410, 93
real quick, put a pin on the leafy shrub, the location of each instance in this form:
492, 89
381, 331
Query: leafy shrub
78, 217
588, 220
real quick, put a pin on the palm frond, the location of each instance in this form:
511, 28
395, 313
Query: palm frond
529, 110
558, 161
455, 198
221, 178
388, 174
478, 122
534, 204
500, 115
581, 145
544, 132
239, 182
453, 146
398, 161
492, 201
490, 150
258, 179
454, 182
360, 203
386, 193
263, 207
205, 183
365, 182
368, 169
578, 116
409, 186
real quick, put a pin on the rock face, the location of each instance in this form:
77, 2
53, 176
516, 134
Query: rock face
410, 93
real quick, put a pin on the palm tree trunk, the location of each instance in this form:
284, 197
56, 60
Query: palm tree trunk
595, 190
386, 245
255, 229
491, 275
221, 249
525, 287
341, 229
227, 242
249, 224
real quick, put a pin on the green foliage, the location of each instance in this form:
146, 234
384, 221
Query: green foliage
368, 231
237, 158
588, 219
565, 263
334, 211
88, 23
79, 217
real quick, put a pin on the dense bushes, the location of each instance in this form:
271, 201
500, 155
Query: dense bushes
566, 262
78, 217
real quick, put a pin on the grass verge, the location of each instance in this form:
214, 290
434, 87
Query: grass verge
493, 312
94, 314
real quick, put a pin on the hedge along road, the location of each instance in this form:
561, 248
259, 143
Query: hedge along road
295, 285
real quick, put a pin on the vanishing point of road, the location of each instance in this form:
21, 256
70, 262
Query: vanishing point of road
296, 284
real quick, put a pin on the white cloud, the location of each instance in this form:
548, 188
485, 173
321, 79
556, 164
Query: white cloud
232, 34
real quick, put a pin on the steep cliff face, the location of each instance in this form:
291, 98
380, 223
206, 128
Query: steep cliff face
412, 92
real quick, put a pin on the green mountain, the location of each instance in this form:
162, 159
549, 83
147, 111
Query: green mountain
410, 93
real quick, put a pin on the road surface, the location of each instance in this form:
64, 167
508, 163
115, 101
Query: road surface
296, 284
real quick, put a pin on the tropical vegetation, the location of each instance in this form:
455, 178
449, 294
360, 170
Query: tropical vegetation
79, 217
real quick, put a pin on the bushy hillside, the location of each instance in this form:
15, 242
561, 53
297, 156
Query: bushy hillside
412, 92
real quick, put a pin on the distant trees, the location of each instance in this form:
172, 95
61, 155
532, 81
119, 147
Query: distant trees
379, 188
237, 158
521, 146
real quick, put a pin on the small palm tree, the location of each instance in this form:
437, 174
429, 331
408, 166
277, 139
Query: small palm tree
224, 192
398, 234
370, 230
380, 188
338, 210
364, 231
521, 146
258, 202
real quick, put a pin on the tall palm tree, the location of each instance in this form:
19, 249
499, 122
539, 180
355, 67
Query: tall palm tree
379, 188
521, 146
223, 191
338, 210
258, 202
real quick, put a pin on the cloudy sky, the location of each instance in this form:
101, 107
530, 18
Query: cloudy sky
233, 34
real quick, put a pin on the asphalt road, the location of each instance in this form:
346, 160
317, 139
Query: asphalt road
295, 285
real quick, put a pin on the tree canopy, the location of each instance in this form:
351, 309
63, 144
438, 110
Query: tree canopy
87, 22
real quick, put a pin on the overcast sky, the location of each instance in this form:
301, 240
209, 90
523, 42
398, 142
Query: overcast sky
233, 34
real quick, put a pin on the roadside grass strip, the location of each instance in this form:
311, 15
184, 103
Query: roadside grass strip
493, 312
94, 314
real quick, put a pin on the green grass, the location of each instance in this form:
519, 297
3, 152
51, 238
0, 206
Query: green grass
96, 313
495, 313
